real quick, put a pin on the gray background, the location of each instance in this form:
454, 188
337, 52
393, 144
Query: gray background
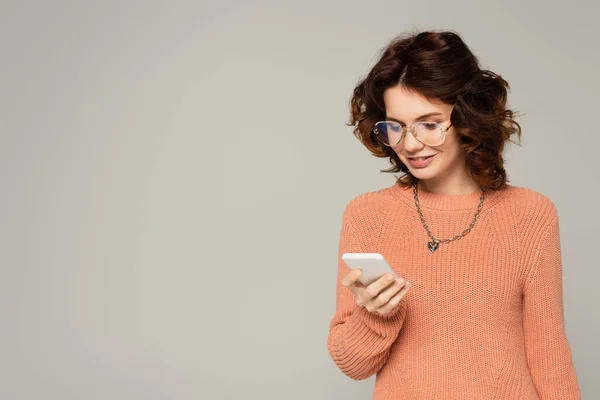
173, 177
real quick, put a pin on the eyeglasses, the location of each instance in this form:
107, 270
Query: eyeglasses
390, 133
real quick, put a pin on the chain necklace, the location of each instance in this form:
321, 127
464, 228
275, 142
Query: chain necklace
435, 242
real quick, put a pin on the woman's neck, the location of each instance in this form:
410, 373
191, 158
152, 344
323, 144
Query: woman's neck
450, 185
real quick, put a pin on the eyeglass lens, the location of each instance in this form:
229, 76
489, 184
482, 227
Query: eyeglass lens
390, 133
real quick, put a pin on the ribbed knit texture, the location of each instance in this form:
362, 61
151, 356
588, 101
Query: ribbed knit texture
483, 317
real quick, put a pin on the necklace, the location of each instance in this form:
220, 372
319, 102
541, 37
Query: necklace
435, 242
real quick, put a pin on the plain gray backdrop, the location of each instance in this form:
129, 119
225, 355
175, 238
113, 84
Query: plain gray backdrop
173, 176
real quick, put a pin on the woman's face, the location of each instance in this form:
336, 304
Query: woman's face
406, 106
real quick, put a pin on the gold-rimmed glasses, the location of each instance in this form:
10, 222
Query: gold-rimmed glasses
390, 133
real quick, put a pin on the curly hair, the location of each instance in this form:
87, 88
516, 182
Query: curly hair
440, 67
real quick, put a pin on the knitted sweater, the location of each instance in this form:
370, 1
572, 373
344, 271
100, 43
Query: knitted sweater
483, 317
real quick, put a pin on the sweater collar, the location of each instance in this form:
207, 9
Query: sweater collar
430, 200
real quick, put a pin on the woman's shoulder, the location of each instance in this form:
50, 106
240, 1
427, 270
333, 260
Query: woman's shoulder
372, 203
529, 204
528, 197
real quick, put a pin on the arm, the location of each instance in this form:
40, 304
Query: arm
359, 341
547, 349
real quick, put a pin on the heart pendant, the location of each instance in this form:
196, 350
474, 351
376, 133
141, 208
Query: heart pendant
433, 246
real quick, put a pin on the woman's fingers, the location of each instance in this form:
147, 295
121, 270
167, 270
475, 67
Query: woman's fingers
380, 296
394, 301
385, 295
373, 290
351, 281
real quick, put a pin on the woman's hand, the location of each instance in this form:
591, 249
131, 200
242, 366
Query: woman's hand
380, 296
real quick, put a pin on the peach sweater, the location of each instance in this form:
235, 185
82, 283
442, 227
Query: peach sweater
483, 317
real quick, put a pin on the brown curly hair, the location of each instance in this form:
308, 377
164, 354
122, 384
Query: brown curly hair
440, 67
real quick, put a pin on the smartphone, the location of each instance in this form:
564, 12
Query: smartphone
373, 266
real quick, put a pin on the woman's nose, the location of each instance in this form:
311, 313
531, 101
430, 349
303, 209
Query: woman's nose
411, 144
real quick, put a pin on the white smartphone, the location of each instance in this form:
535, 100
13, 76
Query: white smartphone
373, 266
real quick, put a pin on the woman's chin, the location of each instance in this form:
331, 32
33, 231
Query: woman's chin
422, 173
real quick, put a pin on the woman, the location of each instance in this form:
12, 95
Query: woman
477, 312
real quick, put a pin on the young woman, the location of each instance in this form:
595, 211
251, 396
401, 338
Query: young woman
477, 312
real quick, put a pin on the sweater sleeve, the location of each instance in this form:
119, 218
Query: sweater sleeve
547, 348
359, 341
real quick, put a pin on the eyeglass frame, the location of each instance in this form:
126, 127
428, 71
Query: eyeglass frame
411, 128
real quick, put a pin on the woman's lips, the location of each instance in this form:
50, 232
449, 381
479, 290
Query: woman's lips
421, 163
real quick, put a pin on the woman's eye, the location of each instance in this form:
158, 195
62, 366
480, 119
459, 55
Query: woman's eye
430, 125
